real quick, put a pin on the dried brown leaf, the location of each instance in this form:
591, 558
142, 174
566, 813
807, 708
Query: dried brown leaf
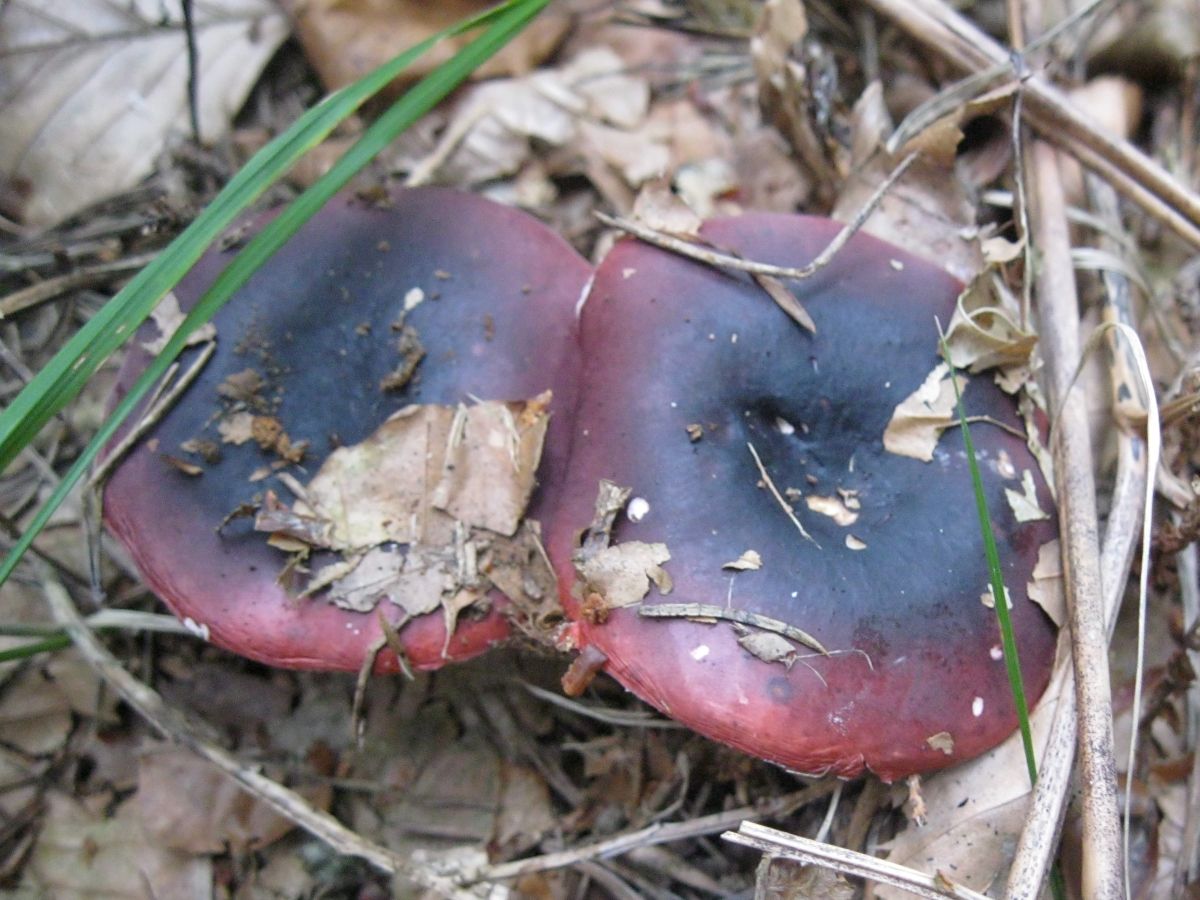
769, 647
920, 419
748, 561
836, 508
622, 574
984, 332
1024, 503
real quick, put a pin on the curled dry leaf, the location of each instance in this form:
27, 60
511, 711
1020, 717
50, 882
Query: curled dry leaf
923, 415
984, 332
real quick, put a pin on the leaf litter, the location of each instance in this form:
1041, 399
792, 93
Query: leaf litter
426, 513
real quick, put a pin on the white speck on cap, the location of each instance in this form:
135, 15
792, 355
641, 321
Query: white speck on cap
698, 653
196, 628
638, 509
977, 707
784, 426
897, 265
996, 653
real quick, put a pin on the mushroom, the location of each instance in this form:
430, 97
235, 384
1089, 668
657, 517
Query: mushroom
426, 297
776, 578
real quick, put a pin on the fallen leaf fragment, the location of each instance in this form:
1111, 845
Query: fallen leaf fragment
748, 561
855, 543
836, 508
167, 316
923, 415
1046, 589
241, 386
237, 428
769, 647
1024, 503
622, 574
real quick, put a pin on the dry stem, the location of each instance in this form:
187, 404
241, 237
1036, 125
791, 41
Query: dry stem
1130, 171
1059, 329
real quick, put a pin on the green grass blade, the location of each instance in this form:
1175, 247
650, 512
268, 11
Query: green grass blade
24, 651
502, 27
1008, 639
64, 376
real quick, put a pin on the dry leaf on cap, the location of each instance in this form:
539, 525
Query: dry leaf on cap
769, 647
1024, 503
1046, 589
450, 483
984, 332
659, 208
748, 561
490, 462
168, 317
923, 415
622, 574
836, 508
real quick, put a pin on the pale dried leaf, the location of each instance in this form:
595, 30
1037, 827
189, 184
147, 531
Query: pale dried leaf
622, 574
780, 878
168, 317
769, 647
834, 507
237, 428
923, 415
242, 386
415, 581
1047, 589
928, 212
491, 462
1024, 503
81, 856
188, 804
748, 561
998, 250
984, 332
659, 208
95, 90
855, 543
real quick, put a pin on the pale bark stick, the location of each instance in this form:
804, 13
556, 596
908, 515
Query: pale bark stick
1059, 333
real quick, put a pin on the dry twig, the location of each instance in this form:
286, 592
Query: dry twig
1059, 329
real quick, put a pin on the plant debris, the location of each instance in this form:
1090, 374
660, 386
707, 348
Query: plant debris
919, 420
426, 512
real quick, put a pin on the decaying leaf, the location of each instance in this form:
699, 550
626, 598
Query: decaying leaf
984, 331
769, 647
451, 485
855, 543
243, 386
237, 428
923, 415
490, 463
659, 208
836, 508
929, 211
748, 561
1024, 503
622, 574
94, 90
168, 317
1046, 589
